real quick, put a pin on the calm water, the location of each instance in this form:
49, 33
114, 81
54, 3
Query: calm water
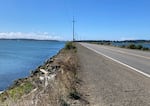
19, 57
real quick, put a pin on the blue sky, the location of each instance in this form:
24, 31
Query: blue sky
95, 19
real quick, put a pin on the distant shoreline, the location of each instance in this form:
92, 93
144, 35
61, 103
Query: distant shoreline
30, 39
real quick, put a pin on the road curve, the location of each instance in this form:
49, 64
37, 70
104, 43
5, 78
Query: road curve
136, 60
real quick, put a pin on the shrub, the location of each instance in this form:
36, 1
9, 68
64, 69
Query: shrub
107, 43
139, 47
131, 46
145, 48
69, 45
123, 46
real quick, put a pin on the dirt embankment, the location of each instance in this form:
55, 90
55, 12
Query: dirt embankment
56, 88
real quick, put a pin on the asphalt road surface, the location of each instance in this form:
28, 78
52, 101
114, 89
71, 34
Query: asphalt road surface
136, 60
107, 82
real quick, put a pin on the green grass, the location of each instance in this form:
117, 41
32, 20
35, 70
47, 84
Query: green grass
70, 45
133, 46
17, 92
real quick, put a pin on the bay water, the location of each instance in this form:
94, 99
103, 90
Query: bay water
19, 57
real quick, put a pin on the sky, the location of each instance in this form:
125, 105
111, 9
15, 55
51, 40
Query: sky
94, 19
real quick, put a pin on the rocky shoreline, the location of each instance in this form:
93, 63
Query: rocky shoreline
34, 72
54, 83
1, 92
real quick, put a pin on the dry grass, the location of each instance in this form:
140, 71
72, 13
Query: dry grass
58, 91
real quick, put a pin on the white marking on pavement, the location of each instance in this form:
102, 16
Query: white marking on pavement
147, 75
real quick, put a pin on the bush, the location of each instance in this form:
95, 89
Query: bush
145, 48
69, 45
123, 46
131, 46
139, 47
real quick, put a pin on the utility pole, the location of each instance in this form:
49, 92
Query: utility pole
73, 22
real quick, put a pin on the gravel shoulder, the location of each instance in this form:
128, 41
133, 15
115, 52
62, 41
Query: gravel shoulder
107, 83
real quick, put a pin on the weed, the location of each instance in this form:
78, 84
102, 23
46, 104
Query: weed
16, 92
69, 45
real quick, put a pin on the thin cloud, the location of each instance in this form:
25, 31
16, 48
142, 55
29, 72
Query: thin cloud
30, 35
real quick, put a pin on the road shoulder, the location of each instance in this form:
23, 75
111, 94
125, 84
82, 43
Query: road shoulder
106, 83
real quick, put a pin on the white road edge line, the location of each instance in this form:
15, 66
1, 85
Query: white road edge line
147, 75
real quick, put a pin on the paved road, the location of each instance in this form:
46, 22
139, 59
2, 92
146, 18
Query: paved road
134, 59
107, 83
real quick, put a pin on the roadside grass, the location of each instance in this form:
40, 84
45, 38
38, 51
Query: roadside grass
70, 45
133, 46
17, 92
101, 43
128, 46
